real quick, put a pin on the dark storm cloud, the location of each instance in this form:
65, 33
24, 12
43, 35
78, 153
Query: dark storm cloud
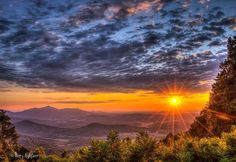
111, 45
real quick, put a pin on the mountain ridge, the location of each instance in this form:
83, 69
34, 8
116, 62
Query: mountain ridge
49, 112
93, 129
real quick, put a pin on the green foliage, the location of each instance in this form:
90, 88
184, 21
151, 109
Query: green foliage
189, 149
40, 151
110, 150
230, 139
53, 158
220, 114
210, 149
8, 137
143, 149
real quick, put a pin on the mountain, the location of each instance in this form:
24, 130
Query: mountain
73, 128
29, 128
50, 113
76, 118
53, 138
96, 129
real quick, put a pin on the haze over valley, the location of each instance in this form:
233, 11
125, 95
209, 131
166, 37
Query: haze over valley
58, 129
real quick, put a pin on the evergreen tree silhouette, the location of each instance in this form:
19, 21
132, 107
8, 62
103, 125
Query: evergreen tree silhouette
220, 113
8, 136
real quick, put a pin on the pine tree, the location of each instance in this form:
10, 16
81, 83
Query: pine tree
220, 114
8, 136
143, 149
110, 150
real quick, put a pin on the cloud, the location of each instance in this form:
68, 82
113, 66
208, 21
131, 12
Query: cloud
206, 82
117, 46
216, 42
86, 102
216, 30
225, 22
4, 90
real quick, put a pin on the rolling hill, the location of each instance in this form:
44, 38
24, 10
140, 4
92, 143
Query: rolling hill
29, 128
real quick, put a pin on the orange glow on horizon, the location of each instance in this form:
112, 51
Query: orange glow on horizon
19, 98
175, 100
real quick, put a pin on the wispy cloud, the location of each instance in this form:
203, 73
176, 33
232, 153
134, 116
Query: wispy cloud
86, 102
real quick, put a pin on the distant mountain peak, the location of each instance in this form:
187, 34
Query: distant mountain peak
26, 122
52, 113
37, 109
48, 107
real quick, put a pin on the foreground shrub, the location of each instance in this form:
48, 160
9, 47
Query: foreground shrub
145, 148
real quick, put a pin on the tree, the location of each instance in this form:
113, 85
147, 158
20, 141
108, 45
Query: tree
8, 136
220, 114
109, 150
143, 149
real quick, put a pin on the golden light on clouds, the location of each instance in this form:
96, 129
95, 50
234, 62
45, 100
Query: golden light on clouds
140, 7
145, 6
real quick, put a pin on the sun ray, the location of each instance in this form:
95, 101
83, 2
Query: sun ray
222, 115
175, 94
173, 122
182, 119
170, 127
162, 121
201, 124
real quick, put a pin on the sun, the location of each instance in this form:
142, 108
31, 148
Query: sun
175, 100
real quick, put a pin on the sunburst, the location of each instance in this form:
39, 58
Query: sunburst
175, 100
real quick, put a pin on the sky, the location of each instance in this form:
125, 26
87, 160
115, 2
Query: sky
111, 55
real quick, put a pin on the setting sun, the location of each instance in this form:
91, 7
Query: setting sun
175, 100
